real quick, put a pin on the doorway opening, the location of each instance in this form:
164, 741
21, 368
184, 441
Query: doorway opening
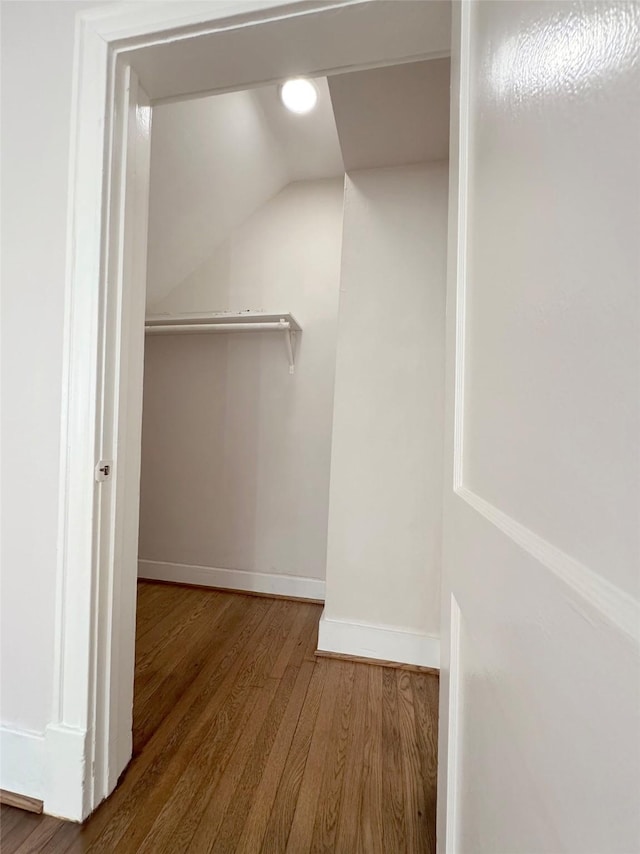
164, 61
247, 234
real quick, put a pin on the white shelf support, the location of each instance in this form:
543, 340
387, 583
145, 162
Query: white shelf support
247, 321
290, 339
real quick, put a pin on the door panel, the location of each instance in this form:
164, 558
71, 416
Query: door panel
540, 690
122, 425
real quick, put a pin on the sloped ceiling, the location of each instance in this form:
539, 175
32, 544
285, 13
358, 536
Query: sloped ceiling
393, 115
215, 161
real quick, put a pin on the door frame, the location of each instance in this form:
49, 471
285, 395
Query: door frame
87, 741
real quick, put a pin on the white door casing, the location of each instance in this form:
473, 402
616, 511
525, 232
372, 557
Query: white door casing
110, 501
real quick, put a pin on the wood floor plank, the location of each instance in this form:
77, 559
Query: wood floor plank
301, 833
246, 791
146, 592
295, 637
415, 787
178, 819
158, 612
254, 669
189, 797
234, 777
149, 601
20, 831
279, 825
267, 653
221, 824
370, 832
40, 836
256, 822
207, 700
347, 836
174, 670
392, 788
9, 816
326, 823
176, 739
249, 743
173, 630
425, 700
178, 664
312, 645
63, 838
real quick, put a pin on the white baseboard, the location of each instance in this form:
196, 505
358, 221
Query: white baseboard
49, 767
67, 793
22, 762
233, 579
384, 643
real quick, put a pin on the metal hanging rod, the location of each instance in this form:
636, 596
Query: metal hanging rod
181, 328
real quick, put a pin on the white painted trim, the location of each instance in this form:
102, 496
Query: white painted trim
68, 775
146, 23
454, 356
385, 643
233, 579
22, 762
616, 606
463, 115
77, 613
453, 740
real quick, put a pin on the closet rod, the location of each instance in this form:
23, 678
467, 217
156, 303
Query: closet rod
175, 328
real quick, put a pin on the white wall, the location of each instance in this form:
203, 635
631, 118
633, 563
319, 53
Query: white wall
383, 562
542, 540
218, 159
37, 56
236, 451
214, 161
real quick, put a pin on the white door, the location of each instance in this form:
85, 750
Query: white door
540, 725
122, 430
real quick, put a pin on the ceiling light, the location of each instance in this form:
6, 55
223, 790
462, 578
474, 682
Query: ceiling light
299, 95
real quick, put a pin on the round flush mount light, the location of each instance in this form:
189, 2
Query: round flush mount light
299, 95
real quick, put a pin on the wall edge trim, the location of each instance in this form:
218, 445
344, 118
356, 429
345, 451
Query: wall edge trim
619, 608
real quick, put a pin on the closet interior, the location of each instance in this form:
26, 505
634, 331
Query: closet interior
294, 348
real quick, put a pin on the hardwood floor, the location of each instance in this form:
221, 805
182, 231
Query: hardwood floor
244, 741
